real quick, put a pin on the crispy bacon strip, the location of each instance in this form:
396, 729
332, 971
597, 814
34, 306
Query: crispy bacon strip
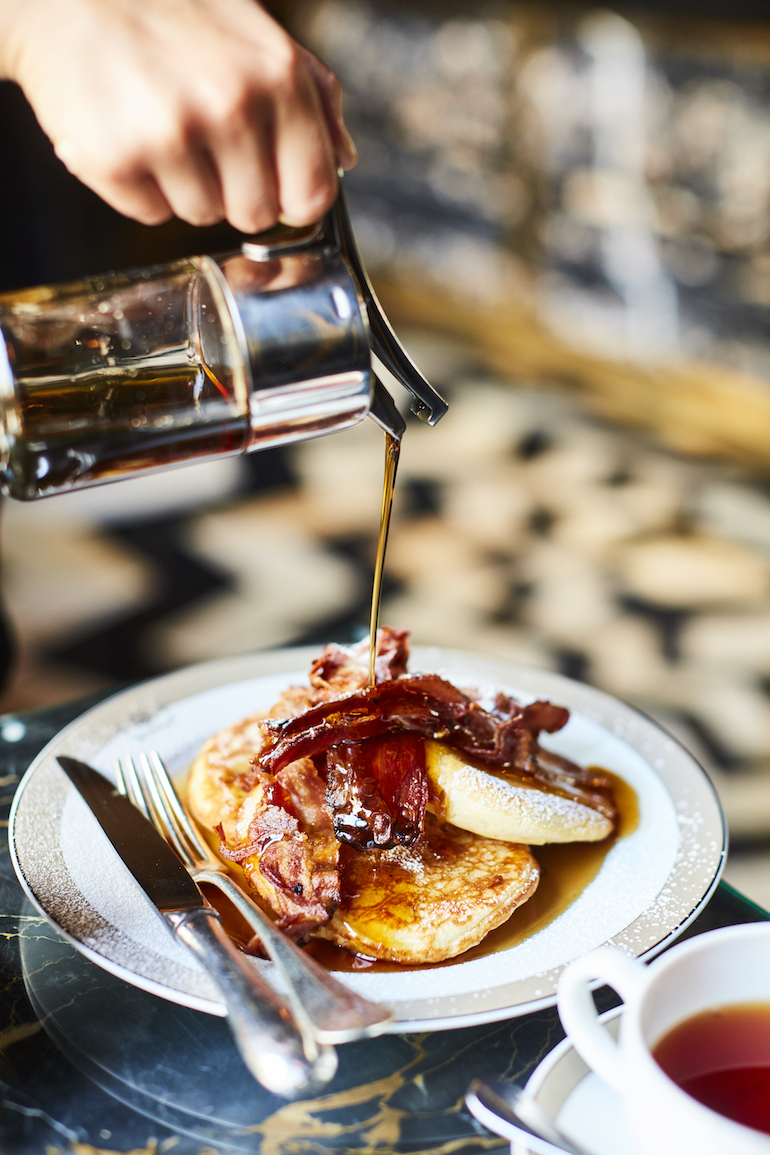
341, 670
377, 791
289, 852
504, 738
425, 704
587, 785
346, 668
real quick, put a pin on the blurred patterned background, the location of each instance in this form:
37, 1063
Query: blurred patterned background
567, 211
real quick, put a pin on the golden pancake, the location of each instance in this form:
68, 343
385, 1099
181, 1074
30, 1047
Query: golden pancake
418, 904
215, 787
430, 901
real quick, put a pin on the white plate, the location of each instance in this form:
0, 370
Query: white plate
651, 885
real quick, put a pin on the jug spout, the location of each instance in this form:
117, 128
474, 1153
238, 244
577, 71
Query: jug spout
383, 410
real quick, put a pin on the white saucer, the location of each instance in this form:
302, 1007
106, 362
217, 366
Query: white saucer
584, 1108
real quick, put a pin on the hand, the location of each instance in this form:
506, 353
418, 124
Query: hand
200, 108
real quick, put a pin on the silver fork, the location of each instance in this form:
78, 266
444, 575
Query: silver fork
322, 1007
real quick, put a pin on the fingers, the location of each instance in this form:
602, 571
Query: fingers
135, 194
141, 200
258, 159
190, 184
306, 169
181, 181
272, 147
271, 160
241, 140
200, 108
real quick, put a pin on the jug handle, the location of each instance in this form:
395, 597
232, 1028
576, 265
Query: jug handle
427, 404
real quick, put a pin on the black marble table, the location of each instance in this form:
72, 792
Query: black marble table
400, 1093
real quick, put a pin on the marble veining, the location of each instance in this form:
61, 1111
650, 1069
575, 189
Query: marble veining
401, 1093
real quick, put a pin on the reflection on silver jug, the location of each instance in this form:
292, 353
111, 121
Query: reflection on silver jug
206, 357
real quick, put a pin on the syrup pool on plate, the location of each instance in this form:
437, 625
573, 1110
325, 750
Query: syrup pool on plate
566, 869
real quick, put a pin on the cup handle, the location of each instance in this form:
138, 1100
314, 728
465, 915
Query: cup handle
578, 1013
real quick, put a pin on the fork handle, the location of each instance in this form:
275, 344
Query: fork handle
332, 1012
269, 1043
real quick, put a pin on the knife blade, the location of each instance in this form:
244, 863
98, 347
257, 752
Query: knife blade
281, 1059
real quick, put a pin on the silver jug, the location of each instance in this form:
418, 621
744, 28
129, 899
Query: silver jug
205, 357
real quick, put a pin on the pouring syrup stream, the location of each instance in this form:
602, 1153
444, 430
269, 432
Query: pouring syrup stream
392, 452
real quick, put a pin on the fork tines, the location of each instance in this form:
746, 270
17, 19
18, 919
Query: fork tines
149, 788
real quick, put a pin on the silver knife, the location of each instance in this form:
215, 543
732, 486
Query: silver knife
268, 1041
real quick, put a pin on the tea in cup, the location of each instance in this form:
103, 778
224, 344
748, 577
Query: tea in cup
692, 1062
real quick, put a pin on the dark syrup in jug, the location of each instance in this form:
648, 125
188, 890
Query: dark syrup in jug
105, 425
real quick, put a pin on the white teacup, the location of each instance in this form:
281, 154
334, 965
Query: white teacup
723, 967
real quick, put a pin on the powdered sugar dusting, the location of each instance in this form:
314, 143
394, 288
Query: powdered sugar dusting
651, 885
510, 796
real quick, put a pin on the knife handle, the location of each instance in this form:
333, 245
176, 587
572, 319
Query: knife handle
269, 1043
321, 1006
